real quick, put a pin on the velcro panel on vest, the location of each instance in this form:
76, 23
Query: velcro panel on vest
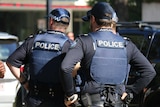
109, 64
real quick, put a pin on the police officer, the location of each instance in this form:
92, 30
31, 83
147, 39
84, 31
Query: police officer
44, 53
105, 57
2, 69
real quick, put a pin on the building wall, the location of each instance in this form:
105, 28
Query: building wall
29, 15
151, 12
41, 4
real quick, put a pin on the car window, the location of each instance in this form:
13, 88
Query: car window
140, 41
154, 54
6, 48
146, 37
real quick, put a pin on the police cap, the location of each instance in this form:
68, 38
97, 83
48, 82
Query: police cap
60, 15
101, 10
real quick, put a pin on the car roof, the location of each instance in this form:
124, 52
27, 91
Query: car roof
4, 36
138, 28
145, 32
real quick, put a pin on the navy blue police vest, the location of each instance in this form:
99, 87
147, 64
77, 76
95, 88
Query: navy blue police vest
109, 64
46, 57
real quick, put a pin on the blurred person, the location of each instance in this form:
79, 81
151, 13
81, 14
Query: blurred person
70, 35
105, 58
44, 53
2, 69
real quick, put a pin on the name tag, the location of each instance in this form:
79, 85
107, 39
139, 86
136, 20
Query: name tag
110, 44
47, 46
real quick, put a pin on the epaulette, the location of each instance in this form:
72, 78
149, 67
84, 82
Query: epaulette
82, 35
41, 32
126, 38
30, 36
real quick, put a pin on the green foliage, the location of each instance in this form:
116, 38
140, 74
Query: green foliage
131, 11
149, 1
134, 9
92, 2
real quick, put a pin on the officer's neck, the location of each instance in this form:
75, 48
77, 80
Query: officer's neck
104, 29
58, 28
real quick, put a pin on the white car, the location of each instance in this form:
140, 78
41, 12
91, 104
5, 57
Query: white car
9, 86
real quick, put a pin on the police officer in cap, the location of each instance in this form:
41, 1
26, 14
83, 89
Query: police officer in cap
105, 57
44, 53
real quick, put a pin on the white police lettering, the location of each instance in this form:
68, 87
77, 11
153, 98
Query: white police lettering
47, 46
58, 18
110, 44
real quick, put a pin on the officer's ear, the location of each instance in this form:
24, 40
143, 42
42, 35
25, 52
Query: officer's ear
92, 19
51, 21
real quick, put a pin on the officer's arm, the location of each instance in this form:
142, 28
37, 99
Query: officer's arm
2, 69
19, 75
18, 58
72, 57
143, 66
76, 68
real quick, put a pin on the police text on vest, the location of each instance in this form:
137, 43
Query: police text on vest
47, 46
110, 44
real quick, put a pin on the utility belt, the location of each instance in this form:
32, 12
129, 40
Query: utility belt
96, 100
43, 91
91, 100
108, 97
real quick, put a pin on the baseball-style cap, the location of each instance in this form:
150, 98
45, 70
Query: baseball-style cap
101, 10
58, 14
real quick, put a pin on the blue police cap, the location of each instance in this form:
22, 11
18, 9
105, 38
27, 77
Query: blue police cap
101, 10
58, 14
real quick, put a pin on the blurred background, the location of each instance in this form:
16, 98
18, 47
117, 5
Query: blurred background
22, 18
25, 17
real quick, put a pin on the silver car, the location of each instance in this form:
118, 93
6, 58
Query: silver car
8, 85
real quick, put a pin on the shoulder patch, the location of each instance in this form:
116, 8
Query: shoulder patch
74, 43
126, 40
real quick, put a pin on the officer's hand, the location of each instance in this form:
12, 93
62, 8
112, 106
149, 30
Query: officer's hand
2, 69
76, 68
127, 97
71, 100
26, 86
